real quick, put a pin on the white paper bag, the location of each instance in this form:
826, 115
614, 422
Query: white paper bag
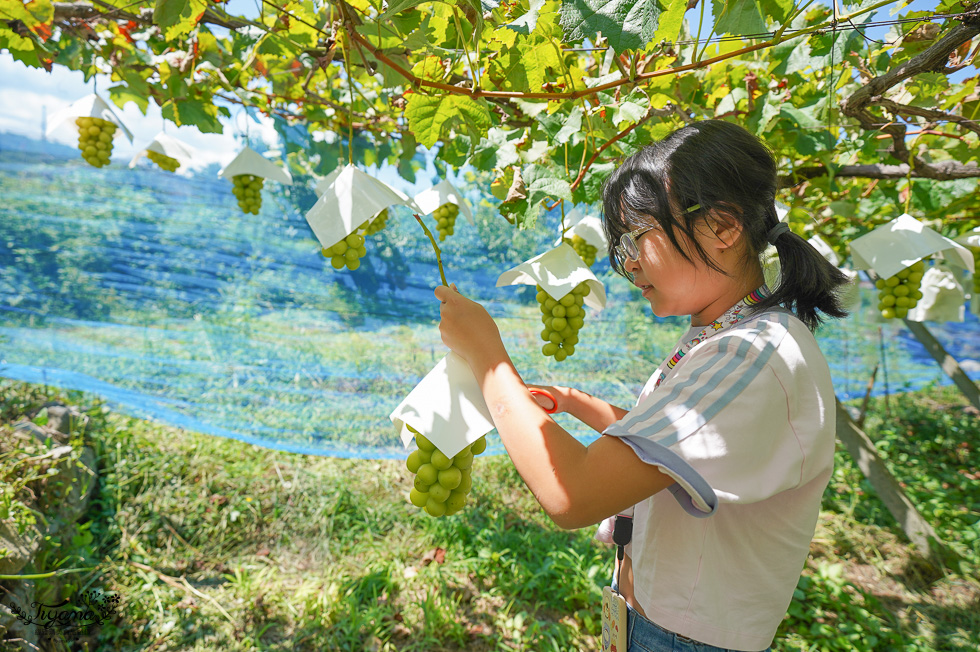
447, 407
351, 200
324, 183
443, 193
164, 144
942, 297
90, 105
558, 271
587, 227
251, 162
894, 246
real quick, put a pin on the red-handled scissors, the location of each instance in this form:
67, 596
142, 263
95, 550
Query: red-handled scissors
546, 394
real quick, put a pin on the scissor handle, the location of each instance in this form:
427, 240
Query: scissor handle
546, 394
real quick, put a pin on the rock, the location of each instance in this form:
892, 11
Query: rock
17, 549
41, 435
20, 595
65, 419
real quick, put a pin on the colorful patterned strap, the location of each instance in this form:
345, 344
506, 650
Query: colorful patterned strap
730, 318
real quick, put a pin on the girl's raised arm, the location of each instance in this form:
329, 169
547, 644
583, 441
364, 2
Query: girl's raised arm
569, 480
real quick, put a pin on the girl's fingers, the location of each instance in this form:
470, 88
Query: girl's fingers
443, 293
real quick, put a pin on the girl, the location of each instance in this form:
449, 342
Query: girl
737, 424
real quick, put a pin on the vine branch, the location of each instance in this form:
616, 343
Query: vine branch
435, 248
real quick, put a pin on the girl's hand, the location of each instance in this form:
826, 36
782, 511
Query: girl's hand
468, 329
560, 394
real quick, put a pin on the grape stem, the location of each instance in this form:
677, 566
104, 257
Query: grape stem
435, 247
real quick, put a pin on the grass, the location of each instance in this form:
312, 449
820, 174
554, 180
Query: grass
213, 544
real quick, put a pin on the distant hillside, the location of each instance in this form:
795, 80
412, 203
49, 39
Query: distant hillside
14, 147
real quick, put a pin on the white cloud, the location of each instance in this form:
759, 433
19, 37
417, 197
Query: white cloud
26, 92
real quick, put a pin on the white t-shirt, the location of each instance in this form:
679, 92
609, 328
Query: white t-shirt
746, 424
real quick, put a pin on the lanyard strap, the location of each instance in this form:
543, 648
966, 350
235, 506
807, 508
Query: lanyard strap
731, 317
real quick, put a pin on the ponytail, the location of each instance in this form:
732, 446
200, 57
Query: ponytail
808, 282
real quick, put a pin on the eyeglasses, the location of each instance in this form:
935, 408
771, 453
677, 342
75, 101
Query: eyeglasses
628, 250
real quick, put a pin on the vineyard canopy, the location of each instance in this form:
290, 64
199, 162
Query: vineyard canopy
541, 98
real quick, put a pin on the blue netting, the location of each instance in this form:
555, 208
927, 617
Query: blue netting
157, 294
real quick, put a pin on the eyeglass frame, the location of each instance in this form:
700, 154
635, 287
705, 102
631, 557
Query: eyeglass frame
628, 241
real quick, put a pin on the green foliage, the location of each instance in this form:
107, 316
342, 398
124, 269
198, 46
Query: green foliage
216, 544
832, 615
566, 86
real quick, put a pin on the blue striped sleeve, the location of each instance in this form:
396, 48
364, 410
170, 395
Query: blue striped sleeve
710, 378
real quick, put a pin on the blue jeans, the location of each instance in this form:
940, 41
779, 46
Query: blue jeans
647, 636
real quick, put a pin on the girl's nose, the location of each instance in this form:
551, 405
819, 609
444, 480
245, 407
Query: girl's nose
631, 266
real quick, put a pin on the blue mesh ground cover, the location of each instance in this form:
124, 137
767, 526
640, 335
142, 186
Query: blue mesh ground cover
155, 293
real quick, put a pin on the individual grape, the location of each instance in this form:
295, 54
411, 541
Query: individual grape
168, 163
441, 483
248, 191
375, 225
446, 219
347, 252
95, 139
900, 293
585, 251
562, 319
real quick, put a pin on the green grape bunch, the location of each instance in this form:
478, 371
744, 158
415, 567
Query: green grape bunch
900, 293
168, 163
95, 139
562, 318
248, 191
377, 224
446, 219
347, 252
585, 251
442, 483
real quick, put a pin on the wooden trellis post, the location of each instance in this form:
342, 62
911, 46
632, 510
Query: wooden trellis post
865, 455
946, 362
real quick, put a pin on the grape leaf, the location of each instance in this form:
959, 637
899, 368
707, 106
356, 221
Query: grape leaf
543, 183
201, 114
561, 126
32, 13
737, 17
526, 23
626, 24
429, 116
524, 66
122, 94
748, 16
21, 47
671, 21
178, 17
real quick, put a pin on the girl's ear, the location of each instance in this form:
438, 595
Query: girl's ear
725, 229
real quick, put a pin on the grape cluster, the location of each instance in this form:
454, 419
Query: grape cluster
899, 293
346, 253
585, 251
446, 219
248, 192
167, 163
441, 483
375, 225
562, 318
95, 139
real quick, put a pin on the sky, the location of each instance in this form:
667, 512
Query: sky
27, 93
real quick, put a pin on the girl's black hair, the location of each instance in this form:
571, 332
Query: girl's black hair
717, 165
